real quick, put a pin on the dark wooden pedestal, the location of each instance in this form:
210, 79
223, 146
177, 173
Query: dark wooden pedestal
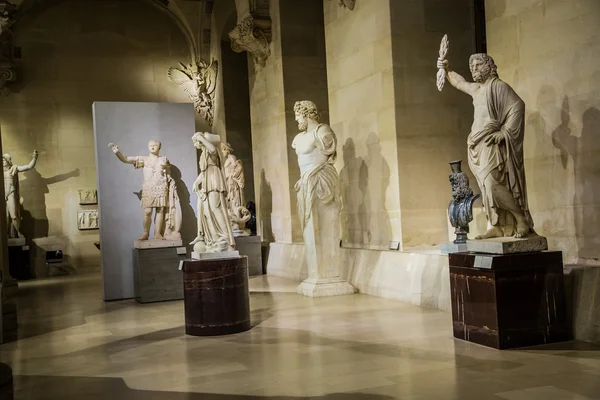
18, 262
6, 383
507, 301
216, 296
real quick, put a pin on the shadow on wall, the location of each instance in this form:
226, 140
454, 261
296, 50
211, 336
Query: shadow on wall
266, 208
189, 222
364, 182
33, 189
586, 165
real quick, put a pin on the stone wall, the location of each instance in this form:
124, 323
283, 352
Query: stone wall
75, 53
549, 52
431, 127
362, 114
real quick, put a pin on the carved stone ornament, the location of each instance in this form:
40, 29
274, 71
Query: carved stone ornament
349, 4
7, 12
199, 82
247, 36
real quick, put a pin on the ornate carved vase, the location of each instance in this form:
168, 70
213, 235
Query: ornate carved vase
460, 210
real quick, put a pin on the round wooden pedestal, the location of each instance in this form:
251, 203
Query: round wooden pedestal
6, 383
216, 296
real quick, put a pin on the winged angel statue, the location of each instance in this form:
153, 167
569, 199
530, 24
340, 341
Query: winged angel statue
199, 82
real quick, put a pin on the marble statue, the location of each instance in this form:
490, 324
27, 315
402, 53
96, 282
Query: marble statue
214, 228
159, 193
199, 82
11, 192
495, 147
234, 178
319, 203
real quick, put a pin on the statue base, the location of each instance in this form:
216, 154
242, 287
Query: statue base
508, 245
156, 244
215, 255
16, 242
325, 287
19, 263
156, 274
251, 247
447, 248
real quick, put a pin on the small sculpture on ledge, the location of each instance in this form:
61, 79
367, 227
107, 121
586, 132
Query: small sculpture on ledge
460, 210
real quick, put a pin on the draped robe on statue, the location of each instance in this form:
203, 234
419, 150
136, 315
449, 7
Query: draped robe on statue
216, 236
501, 164
321, 183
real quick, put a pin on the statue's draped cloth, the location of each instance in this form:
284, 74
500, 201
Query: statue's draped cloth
321, 182
212, 180
501, 164
235, 184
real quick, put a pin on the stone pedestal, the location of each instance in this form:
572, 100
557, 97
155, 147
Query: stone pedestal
508, 301
508, 245
18, 259
447, 248
156, 273
251, 247
322, 235
217, 300
6, 382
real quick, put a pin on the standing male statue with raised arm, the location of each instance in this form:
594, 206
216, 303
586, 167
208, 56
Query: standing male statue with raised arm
11, 192
495, 147
159, 193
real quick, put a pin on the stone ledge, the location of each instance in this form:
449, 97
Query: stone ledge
508, 245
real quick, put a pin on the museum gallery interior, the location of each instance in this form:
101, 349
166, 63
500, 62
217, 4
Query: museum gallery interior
300, 199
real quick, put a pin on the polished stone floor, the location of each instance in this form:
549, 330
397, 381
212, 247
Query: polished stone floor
75, 347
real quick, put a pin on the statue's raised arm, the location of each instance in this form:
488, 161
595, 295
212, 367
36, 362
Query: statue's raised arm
120, 156
457, 80
23, 168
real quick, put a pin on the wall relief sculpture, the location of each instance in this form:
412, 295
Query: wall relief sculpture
199, 82
87, 219
88, 196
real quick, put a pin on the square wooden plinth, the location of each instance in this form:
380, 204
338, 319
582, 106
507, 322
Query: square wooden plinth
508, 301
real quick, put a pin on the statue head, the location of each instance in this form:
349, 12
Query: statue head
226, 149
482, 66
460, 185
305, 110
6, 160
154, 147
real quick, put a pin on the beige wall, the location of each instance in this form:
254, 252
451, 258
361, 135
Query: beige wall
75, 53
361, 105
267, 113
550, 53
431, 127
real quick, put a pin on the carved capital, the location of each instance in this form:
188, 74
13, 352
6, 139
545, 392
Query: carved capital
7, 74
249, 37
349, 4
